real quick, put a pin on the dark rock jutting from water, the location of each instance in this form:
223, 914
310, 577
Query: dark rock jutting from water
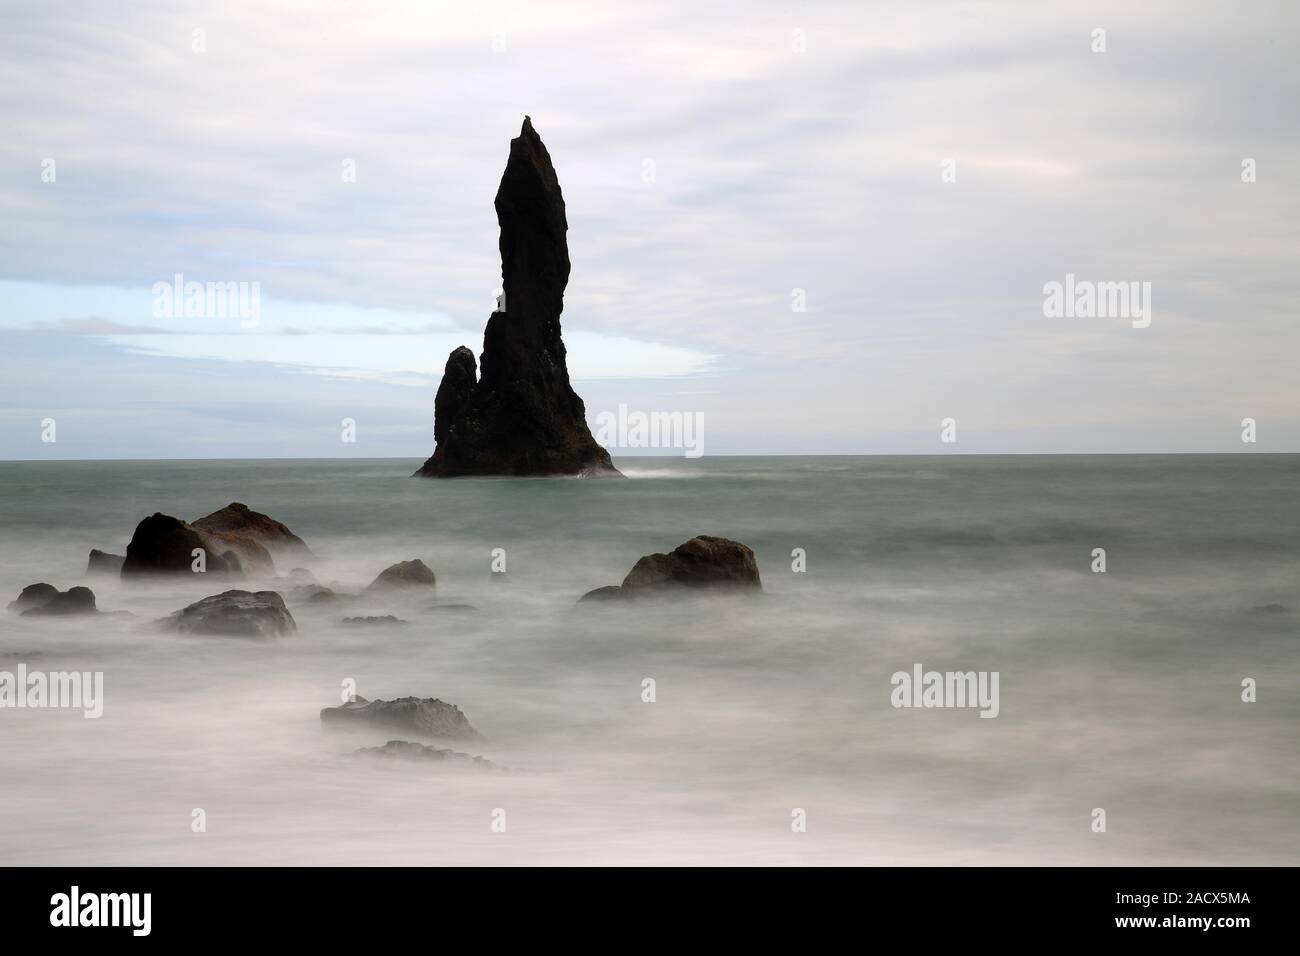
703, 563
427, 717
237, 520
101, 562
404, 574
522, 417
259, 614
34, 595
38, 600
163, 544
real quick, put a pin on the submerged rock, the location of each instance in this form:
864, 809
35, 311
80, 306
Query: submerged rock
306, 593
381, 620
76, 600
237, 521
428, 716
34, 595
522, 416
1269, 609
405, 574
259, 614
407, 750
703, 563
101, 562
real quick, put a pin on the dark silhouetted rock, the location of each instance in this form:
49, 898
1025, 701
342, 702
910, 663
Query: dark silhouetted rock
427, 717
101, 562
405, 574
34, 595
522, 417
419, 753
72, 601
163, 544
236, 522
458, 380
236, 614
383, 620
703, 563
611, 592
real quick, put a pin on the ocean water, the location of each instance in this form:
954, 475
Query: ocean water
1120, 691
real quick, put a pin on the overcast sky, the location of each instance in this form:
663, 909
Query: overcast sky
714, 158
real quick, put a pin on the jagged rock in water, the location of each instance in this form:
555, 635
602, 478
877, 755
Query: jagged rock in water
404, 574
408, 750
522, 417
236, 521
34, 595
703, 563
427, 717
163, 544
72, 601
101, 562
260, 614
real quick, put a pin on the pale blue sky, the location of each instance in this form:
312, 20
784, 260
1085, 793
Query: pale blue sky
775, 168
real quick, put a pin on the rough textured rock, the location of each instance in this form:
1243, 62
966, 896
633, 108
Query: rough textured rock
407, 750
427, 717
236, 522
522, 417
404, 574
72, 601
703, 563
163, 544
101, 562
34, 595
259, 614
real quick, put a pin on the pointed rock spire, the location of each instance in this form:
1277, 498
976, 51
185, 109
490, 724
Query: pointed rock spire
522, 416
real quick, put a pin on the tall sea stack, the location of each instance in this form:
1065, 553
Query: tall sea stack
521, 417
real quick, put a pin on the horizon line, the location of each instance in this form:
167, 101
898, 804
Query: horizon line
950, 454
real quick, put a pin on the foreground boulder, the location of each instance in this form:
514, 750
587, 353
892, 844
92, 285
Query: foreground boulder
101, 562
703, 563
427, 717
407, 750
405, 574
236, 521
259, 614
522, 416
34, 595
163, 544
76, 600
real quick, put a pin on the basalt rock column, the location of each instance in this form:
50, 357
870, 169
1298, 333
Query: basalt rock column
522, 416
